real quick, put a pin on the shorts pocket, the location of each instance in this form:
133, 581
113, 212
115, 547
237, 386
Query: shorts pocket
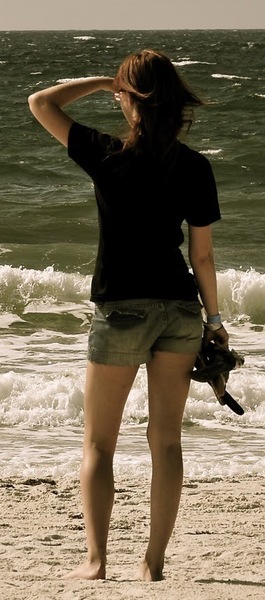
123, 317
191, 307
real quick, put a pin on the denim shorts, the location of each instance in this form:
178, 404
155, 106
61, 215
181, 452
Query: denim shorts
128, 332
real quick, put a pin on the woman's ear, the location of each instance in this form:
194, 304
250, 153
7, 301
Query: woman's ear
129, 107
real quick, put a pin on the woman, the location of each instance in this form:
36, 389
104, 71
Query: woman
147, 308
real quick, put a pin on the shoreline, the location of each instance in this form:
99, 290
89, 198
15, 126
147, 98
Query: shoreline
217, 548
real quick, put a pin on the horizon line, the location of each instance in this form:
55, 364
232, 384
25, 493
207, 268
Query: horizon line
138, 29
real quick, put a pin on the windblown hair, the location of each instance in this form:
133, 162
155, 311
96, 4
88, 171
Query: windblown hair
163, 100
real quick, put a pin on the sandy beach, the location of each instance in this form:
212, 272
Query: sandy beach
217, 549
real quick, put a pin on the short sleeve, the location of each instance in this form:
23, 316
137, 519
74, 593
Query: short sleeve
87, 147
202, 205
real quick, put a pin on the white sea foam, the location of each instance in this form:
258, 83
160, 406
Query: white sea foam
57, 452
223, 76
4, 250
186, 62
67, 79
84, 37
242, 293
51, 394
212, 152
21, 286
40, 400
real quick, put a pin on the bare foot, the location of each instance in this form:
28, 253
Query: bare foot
87, 571
148, 574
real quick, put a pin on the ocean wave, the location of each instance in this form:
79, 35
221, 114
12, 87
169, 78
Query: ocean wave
241, 293
41, 400
55, 399
19, 287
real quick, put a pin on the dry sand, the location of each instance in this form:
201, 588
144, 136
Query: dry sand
217, 550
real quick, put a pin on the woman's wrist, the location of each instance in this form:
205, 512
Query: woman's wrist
213, 322
212, 326
106, 84
213, 319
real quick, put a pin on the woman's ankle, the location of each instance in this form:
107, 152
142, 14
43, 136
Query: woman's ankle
151, 571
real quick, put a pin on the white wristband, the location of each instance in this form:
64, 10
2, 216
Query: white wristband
214, 318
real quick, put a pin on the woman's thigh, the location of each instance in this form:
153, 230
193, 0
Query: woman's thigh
107, 388
169, 377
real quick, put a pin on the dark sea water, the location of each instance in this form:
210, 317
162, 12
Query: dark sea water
48, 240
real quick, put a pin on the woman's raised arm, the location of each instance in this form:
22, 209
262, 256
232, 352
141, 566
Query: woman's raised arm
47, 105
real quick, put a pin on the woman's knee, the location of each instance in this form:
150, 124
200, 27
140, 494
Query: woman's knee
164, 442
98, 452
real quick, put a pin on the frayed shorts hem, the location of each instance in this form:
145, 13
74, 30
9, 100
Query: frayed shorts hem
124, 359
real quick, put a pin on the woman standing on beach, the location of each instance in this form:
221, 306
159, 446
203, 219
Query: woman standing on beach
147, 309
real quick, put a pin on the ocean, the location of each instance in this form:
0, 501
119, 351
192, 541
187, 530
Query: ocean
48, 242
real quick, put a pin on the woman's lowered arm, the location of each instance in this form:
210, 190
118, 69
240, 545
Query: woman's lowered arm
202, 262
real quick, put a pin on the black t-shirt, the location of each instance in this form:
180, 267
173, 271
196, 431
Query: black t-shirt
141, 206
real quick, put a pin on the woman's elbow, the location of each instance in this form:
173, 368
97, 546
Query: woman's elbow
201, 259
33, 101
36, 97
36, 102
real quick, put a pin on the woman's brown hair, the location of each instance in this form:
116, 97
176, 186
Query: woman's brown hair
163, 100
